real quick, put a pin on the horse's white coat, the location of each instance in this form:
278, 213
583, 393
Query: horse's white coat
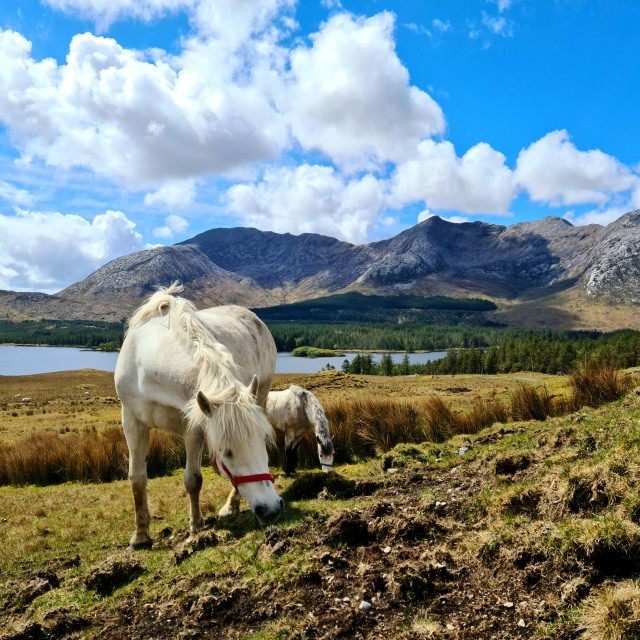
190, 373
295, 411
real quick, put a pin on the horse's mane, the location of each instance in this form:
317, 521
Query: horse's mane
236, 417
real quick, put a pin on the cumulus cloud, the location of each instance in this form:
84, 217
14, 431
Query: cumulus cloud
140, 122
49, 251
479, 182
14, 195
310, 198
554, 171
351, 98
177, 194
173, 225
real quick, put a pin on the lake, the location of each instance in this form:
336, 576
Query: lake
22, 361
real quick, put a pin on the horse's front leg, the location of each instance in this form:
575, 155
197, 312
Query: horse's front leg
137, 435
194, 441
232, 505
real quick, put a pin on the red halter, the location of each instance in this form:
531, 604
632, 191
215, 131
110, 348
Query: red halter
236, 480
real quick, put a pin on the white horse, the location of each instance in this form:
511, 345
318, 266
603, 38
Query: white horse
196, 374
295, 411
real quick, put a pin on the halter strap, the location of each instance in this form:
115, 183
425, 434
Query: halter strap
325, 464
236, 480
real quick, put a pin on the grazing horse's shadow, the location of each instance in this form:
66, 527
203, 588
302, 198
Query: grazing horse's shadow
308, 486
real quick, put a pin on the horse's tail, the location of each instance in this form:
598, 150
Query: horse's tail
160, 302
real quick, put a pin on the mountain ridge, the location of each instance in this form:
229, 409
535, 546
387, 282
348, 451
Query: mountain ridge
524, 262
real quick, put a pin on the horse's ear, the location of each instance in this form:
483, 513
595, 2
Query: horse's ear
253, 387
204, 404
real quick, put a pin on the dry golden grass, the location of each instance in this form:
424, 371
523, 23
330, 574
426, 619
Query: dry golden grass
598, 383
613, 613
74, 437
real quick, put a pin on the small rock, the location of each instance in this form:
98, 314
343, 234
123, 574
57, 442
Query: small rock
386, 550
522, 623
450, 627
454, 470
365, 606
392, 470
508, 605
463, 450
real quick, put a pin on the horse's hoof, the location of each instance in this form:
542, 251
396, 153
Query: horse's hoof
136, 545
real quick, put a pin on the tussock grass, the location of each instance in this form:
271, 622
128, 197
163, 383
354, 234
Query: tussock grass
51, 458
529, 403
361, 428
613, 613
597, 383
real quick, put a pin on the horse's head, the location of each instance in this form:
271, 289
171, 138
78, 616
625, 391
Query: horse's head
325, 449
238, 433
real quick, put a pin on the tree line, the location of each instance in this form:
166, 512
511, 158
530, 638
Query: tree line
63, 333
621, 349
409, 337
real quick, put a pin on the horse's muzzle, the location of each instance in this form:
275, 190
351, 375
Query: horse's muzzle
267, 514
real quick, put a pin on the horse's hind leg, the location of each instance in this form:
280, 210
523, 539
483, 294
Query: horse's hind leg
194, 441
137, 435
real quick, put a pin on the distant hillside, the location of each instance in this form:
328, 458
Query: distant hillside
545, 273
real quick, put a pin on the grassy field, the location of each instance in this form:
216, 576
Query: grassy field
532, 532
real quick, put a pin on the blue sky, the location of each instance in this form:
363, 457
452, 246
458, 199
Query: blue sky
130, 123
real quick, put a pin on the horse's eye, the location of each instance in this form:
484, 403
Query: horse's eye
229, 454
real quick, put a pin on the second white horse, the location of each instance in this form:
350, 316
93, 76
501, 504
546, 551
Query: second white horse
295, 411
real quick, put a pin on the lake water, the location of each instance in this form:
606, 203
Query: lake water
21, 361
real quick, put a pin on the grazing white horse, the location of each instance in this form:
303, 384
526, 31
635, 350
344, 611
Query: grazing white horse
196, 374
295, 411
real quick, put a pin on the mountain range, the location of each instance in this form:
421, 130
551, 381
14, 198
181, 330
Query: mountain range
542, 273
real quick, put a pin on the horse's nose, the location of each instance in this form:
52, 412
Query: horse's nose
266, 514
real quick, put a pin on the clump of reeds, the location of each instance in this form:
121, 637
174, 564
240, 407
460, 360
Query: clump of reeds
598, 382
529, 403
613, 613
52, 458
482, 414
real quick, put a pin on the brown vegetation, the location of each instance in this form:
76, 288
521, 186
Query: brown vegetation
361, 427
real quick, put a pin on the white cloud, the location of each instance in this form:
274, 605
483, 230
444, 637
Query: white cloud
479, 182
426, 214
49, 251
105, 12
136, 121
331, 4
173, 225
311, 199
503, 5
177, 194
441, 25
603, 217
553, 170
14, 195
499, 26
351, 96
